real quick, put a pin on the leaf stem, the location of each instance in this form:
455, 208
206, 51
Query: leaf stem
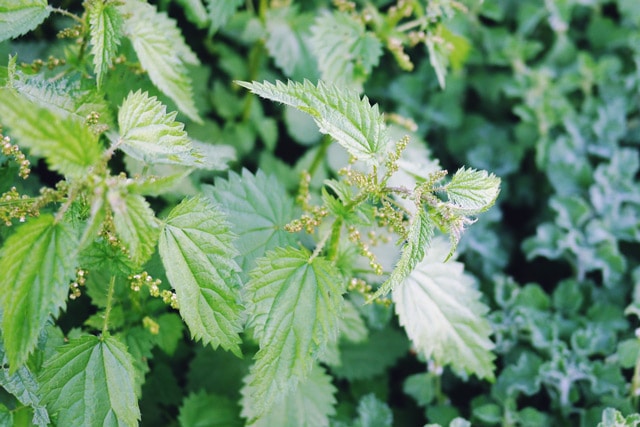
67, 14
336, 229
320, 154
107, 310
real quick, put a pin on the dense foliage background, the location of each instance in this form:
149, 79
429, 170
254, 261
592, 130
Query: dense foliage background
545, 94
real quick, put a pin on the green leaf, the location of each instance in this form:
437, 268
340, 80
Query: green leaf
62, 96
170, 332
294, 304
162, 51
611, 417
365, 360
136, 224
210, 410
345, 51
287, 42
340, 113
418, 240
219, 13
105, 29
23, 384
67, 144
440, 295
258, 207
149, 134
373, 413
90, 381
310, 404
352, 327
471, 191
37, 262
197, 253
18, 17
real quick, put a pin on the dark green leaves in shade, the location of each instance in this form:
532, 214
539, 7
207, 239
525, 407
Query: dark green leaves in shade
196, 247
90, 381
37, 262
294, 304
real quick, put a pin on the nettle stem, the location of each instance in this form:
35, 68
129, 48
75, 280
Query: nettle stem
107, 310
336, 229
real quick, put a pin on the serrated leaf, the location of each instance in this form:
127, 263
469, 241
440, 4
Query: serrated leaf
219, 13
471, 191
37, 262
259, 207
418, 240
170, 332
210, 410
151, 135
373, 413
287, 40
162, 51
23, 384
294, 303
90, 381
345, 51
311, 403
136, 224
439, 295
105, 29
62, 96
197, 252
18, 17
340, 113
67, 144
611, 417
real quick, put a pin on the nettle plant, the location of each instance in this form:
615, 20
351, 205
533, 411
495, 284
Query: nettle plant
249, 268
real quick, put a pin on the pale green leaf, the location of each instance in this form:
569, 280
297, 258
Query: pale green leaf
209, 410
195, 12
219, 12
471, 191
149, 134
162, 51
294, 304
418, 240
259, 207
373, 413
62, 96
287, 40
18, 17
37, 263
67, 143
105, 29
90, 381
309, 405
354, 123
443, 315
136, 224
196, 246
23, 384
611, 417
352, 327
345, 51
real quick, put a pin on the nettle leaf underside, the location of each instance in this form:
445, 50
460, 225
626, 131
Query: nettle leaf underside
440, 295
38, 262
352, 121
294, 304
196, 247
